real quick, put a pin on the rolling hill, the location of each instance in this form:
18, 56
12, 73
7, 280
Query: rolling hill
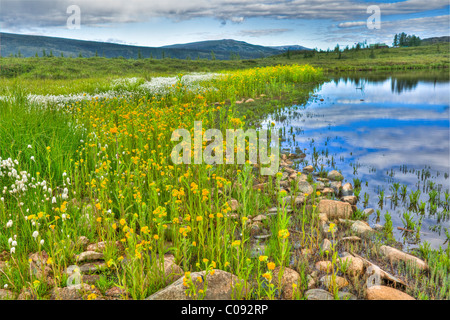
31, 45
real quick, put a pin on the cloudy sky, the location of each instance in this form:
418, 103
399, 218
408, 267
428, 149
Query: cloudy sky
318, 23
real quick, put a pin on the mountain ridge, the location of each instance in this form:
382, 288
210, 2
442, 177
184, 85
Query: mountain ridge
31, 45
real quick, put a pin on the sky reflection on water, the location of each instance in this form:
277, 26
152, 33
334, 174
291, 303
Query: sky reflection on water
377, 126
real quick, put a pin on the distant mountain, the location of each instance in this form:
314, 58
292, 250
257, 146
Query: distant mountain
29, 46
226, 47
291, 48
436, 39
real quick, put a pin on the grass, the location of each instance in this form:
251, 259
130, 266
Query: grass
57, 75
101, 169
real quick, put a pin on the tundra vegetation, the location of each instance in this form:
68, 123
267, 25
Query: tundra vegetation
89, 193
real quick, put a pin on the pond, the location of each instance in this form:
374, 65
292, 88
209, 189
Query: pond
388, 132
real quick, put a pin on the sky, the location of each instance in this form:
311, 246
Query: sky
314, 24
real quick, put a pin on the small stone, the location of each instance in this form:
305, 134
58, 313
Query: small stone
89, 256
116, 293
90, 278
92, 267
397, 255
347, 190
335, 175
222, 285
101, 246
308, 169
259, 218
249, 100
323, 217
340, 282
82, 241
305, 187
350, 199
326, 245
324, 266
361, 228
336, 186
288, 278
368, 211
318, 294
260, 186
6, 295
351, 238
346, 296
335, 209
386, 293
172, 271
327, 191
353, 266
234, 204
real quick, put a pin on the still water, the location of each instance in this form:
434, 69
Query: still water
382, 129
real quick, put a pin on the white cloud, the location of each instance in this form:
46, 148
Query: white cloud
44, 13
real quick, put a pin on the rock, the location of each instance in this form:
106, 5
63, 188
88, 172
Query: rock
350, 199
326, 246
234, 204
288, 278
327, 191
92, 267
116, 293
66, 293
90, 278
368, 211
89, 256
256, 228
347, 190
257, 250
351, 238
336, 186
323, 217
6, 295
335, 175
397, 255
324, 266
82, 241
386, 293
340, 282
172, 271
101, 246
377, 273
361, 228
260, 186
335, 209
38, 264
73, 293
293, 176
221, 286
346, 296
249, 100
311, 281
319, 186
318, 294
26, 294
354, 266
259, 218
308, 169
298, 200
305, 187
378, 227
